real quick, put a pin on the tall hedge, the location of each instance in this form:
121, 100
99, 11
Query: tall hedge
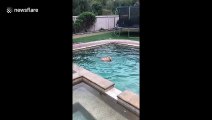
84, 21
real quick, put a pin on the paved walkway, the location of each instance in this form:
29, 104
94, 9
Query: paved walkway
86, 35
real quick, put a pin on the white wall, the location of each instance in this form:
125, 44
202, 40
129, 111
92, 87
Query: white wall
105, 22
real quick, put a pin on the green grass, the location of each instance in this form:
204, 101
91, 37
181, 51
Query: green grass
124, 35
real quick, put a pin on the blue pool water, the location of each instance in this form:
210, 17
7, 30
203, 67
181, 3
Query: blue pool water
123, 70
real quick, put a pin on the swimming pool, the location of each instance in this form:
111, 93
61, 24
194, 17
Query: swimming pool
123, 70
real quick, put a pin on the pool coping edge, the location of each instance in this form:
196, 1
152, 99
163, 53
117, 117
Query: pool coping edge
88, 45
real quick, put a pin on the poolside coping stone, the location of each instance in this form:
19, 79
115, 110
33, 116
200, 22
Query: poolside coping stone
92, 79
97, 80
87, 45
77, 80
130, 98
113, 93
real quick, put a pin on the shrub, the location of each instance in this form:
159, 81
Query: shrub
87, 19
77, 25
101, 29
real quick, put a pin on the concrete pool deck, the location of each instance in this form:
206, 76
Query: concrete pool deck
126, 98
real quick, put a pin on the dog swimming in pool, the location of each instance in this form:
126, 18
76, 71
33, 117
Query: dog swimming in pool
106, 59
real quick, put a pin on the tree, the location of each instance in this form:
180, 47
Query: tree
109, 4
97, 9
137, 3
80, 6
100, 7
84, 5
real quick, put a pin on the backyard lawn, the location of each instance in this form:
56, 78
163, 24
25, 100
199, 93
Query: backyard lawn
124, 35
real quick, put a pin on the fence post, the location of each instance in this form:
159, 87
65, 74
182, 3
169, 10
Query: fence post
114, 21
107, 22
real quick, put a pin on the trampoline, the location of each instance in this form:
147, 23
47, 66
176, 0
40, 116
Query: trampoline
128, 19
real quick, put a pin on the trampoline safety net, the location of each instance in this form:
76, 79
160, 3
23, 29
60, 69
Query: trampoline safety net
128, 17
